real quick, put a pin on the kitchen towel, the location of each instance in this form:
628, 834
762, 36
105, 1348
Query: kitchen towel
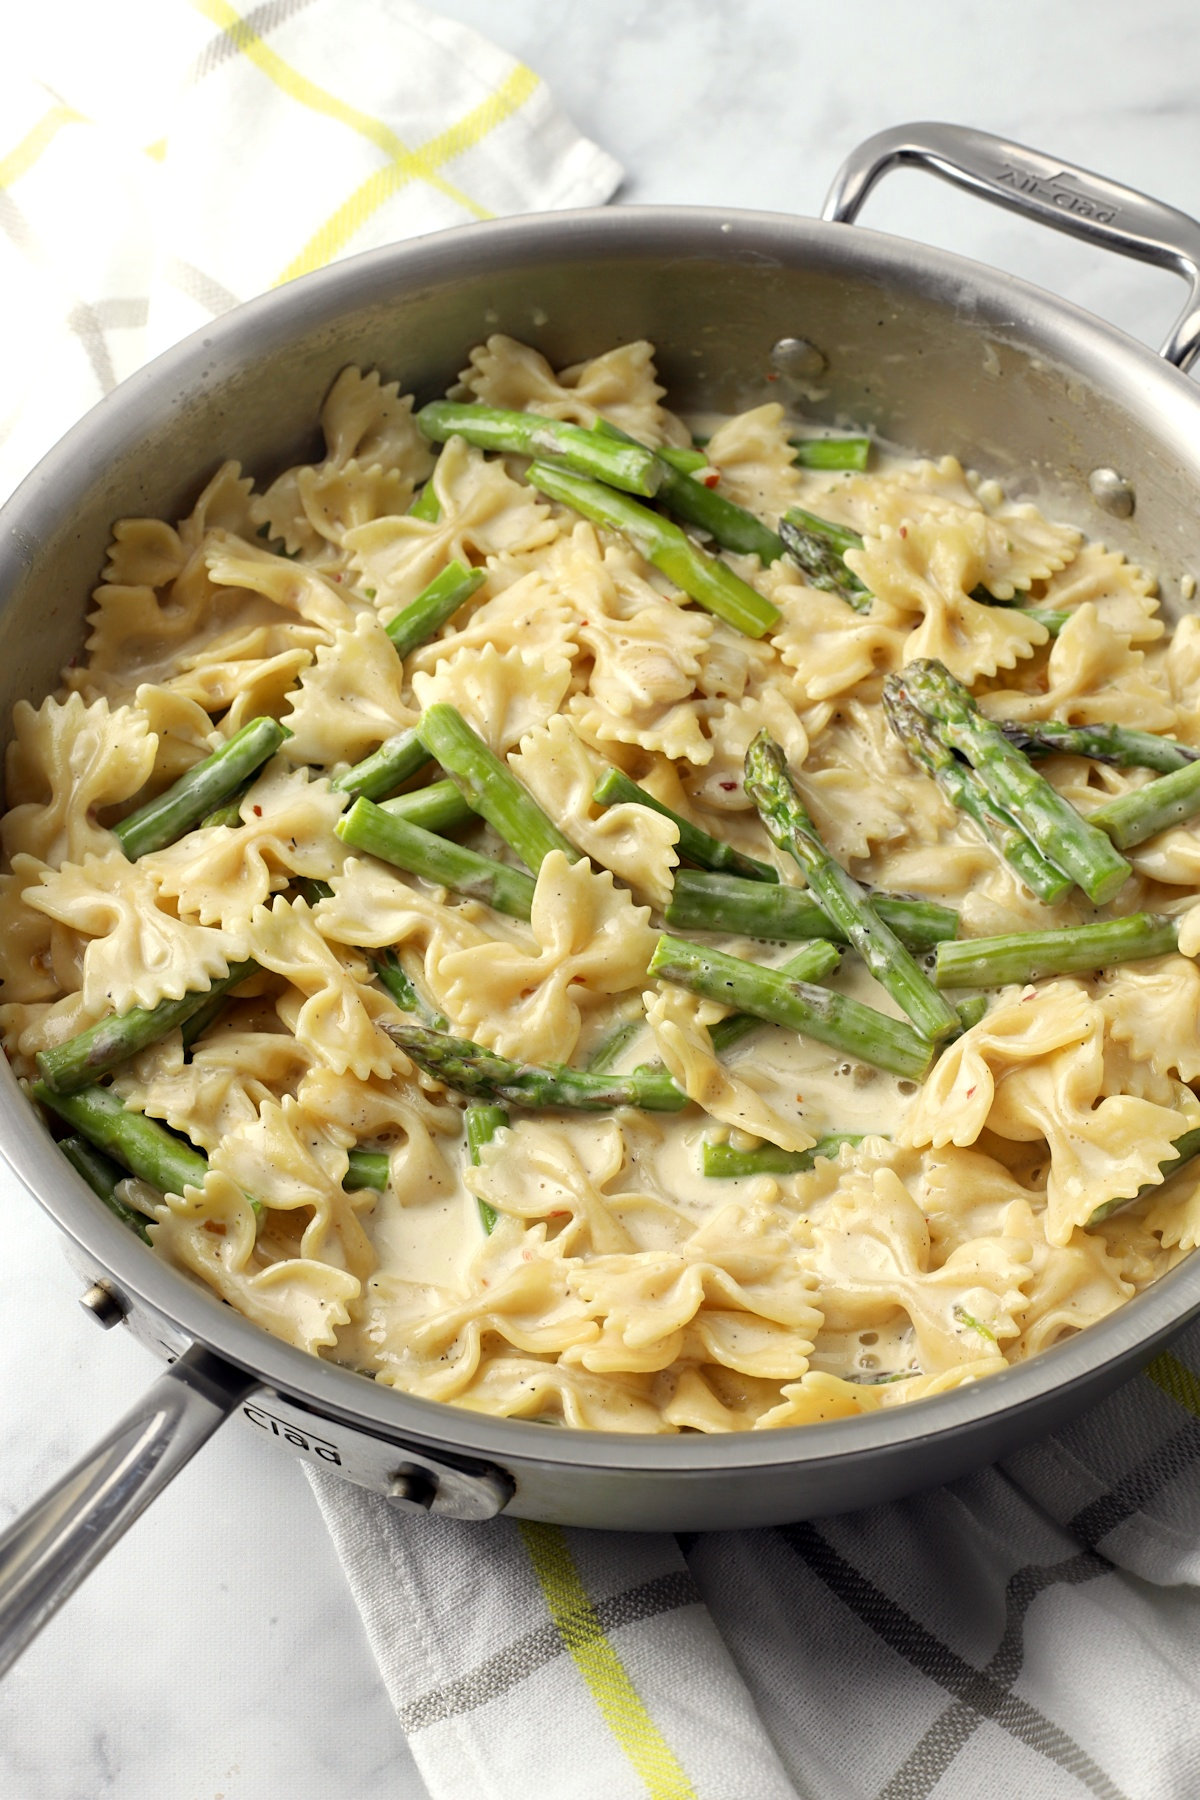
1031, 1631
1028, 1633
162, 160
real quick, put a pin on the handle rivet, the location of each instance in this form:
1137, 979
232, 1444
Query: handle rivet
103, 1304
412, 1487
797, 360
1112, 492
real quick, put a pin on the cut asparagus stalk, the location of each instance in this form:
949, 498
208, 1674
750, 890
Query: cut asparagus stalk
482, 1123
473, 1070
231, 812
770, 785
103, 1177
1031, 955
831, 452
614, 1046
963, 788
1187, 1148
729, 524
843, 1024
721, 1161
426, 507
104, 1046
1063, 837
615, 788
1115, 744
141, 1145
439, 807
970, 1011
424, 617
367, 1169
813, 963
819, 548
1132, 818
707, 580
491, 788
629, 466
368, 827
200, 791
713, 902
381, 773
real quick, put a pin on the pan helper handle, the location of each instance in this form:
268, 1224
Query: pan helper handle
1055, 193
46, 1553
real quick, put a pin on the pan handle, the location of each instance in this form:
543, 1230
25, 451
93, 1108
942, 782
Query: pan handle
1055, 193
46, 1553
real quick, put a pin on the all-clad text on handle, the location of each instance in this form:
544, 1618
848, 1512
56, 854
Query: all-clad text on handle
1045, 188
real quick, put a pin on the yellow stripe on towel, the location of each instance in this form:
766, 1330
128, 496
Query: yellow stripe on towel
470, 130
602, 1669
1177, 1380
26, 153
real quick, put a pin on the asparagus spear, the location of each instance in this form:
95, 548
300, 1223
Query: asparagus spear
480, 1073
770, 786
367, 1169
382, 772
482, 1123
817, 959
615, 788
629, 466
831, 452
844, 1024
103, 1177
614, 1046
1115, 744
426, 506
731, 525
204, 1016
716, 902
964, 789
231, 812
203, 788
819, 548
491, 788
104, 1046
141, 1145
1186, 1148
367, 827
707, 580
971, 1010
720, 1160
151, 1152
424, 617
1132, 818
1030, 955
439, 807
1063, 837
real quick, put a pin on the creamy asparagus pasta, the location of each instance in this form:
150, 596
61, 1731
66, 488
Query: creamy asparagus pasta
642, 924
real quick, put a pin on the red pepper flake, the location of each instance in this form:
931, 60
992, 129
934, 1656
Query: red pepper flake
712, 478
257, 811
970, 1091
560, 1212
727, 787
904, 531
773, 377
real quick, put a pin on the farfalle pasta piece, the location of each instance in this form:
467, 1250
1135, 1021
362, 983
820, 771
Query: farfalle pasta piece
930, 566
350, 699
484, 512
868, 1251
223, 873
211, 1231
1034, 1068
221, 1087
589, 942
509, 611
830, 648
144, 553
1093, 676
333, 1015
684, 1045
1123, 596
294, 587
66, 762
619, 385
757, 462
139, 953
1153, 1008
504, 694
635, 842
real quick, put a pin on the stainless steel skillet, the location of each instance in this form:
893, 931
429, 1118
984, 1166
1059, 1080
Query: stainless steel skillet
934, 351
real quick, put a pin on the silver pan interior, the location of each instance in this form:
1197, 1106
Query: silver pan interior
932, 351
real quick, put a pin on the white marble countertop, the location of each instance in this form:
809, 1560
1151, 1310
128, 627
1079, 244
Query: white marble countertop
217, 1654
